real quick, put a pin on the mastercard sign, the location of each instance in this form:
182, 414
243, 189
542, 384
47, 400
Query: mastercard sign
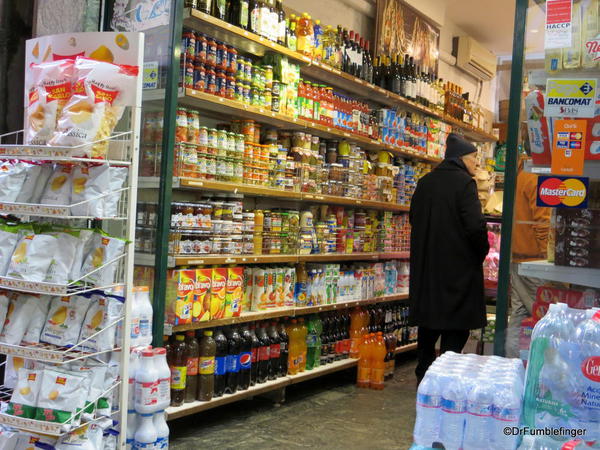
562, 192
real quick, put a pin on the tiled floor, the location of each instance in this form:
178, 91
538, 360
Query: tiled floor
324, 413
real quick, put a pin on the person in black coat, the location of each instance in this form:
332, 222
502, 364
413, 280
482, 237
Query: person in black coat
447, 248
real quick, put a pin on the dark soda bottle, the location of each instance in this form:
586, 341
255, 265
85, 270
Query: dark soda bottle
245, 359
192, 358
254, 350
178, 364
222, 347
233, 361
206, 380
264, 354
324, 340
275, 351
284, 343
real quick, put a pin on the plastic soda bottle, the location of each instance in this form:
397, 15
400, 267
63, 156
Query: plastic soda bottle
378, 363
206, 379
318, 41
302, 332
313, 342
364, 363
192, 355
294, 349
178, 365
355, 331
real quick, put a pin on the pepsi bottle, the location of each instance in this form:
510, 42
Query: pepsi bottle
220, 362
254, 359
284, 343
264, 354
245, 359
325, 341
233, 361
275, 352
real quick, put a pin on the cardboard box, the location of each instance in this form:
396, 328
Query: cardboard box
202, 296
234, 291
180, 296
218, 292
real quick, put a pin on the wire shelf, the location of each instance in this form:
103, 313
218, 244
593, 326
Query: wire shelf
119, 149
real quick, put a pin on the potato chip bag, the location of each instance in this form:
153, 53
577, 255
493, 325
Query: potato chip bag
88, 437
24, 397
11, 369
64, 320
118, 175
58, 188
103, 311
103, 250
61, 396
12, 178
32, 257
4, 302
89, 183
32, 174
63, 258
46, 97
96, 374
38, 319
84, 247
100, 93
18, 317
40, 183
28, 440
8, 439
9, 236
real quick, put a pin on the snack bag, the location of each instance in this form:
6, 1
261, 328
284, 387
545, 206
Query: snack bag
103, 310
90, 182
27, 441
8, 439
61, 396
32, 257
64, 320
24, 397
58, 188
537, 125
88, 437
218, 292
95, 374
9, 236
48, 95
40, 182
4, 302
18, 317
103, 250
180, 296
32, 174
118, 175
233, 291
62, 261
84, 246
38, 319
11, 370
100, 93
12, 178
202, 293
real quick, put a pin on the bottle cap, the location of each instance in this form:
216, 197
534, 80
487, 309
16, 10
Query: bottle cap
141, 289
208, 333
180, 337
147, 353
190, 333
160, 351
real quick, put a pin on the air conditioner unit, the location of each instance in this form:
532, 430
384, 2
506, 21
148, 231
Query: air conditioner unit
475, 59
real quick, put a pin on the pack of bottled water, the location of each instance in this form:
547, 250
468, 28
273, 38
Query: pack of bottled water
562, 388
466, 401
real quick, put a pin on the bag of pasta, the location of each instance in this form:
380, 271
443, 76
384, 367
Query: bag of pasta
46, 97
100, 94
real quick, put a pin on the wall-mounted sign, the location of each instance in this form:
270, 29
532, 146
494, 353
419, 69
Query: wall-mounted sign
568, 152
570, 97
562, 192
558, 24
592, 48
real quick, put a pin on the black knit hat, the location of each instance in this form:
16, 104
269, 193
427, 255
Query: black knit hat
457, 146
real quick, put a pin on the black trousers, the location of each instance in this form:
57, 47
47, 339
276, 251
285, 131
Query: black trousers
452, 340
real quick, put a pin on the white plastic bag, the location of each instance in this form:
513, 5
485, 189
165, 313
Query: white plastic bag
4, 302
32, 257
61, 396
24, 397
63, 258
9, 236
84, 247
65, 317
8, 439
58, 187
118, 175
28, 440
46, 170
89, 183
32, 174
104, 249
12, 177
104, 310
18, 318
38, 319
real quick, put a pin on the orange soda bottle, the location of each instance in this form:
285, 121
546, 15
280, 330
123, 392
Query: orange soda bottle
364, 363
356, 332
378, 362
294, 349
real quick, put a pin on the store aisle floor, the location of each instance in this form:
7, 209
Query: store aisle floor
324, 413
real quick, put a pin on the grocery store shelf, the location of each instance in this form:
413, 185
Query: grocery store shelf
405, 348
251, 43
591, 169
251, 316
198, 260
582, 276
323, 370
195, 407
324, 257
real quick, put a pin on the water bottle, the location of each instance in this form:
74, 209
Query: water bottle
453, 411
478, 423
506, 413
429, 399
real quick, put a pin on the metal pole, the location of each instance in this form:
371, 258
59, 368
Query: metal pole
166, 176
510, 174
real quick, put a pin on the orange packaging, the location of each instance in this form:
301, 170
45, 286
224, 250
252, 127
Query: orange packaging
259, 289
202, 295
233, 294
279, 285
248, 283
180, 296
271, 278
218, 291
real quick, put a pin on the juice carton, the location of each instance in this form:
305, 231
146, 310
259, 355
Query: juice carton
202, 296
180, 296
218, 290
259, 290
248, 288
233, 292
271, 275
279, 285
289, 282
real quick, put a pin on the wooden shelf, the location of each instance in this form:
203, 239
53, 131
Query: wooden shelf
323, 370
249, 42
252, 316
405, 348
263, 191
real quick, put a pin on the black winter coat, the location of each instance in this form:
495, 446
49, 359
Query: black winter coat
448, 246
